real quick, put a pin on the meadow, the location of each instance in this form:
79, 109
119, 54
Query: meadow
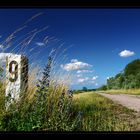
101, 114
86, 111
122, 91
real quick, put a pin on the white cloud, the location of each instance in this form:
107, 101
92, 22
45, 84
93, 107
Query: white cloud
107, 77
40, 43
87, 80
81, 80
96, 84
84, 71
74, 60
75, 65
78, 75
79, 71
126, 53
94, 78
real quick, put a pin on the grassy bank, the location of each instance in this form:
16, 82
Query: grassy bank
123, 91
101, 114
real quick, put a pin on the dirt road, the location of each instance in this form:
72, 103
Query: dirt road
129, 101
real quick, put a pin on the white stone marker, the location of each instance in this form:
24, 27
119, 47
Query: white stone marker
16, 75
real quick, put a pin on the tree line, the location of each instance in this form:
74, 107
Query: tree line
129, 78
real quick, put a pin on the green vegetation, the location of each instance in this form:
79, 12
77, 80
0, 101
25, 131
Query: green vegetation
49, 108
33, 115
122, 91
85, 89
129, 78
101, 114
103, 87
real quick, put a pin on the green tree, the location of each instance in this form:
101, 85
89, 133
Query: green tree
119, 79
103, 87
110, 82
85, 89
132, 68
137, 80
129, 78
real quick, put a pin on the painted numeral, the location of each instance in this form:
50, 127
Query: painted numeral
13, 69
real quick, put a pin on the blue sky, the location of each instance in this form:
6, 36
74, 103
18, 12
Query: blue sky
103, 41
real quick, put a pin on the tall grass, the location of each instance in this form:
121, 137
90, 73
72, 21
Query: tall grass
123, 91
34, 116
32, 111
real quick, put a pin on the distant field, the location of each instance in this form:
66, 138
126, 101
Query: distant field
123, 91
101, 114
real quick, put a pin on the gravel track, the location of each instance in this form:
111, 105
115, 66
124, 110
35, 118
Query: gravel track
129, 101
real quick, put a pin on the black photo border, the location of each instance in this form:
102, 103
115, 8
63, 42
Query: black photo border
70, 4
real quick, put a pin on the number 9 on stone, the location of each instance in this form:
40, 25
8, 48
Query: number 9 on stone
13, 70
16, 75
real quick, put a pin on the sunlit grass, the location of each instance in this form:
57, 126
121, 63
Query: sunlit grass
46, 110
49, 109
101, 114
123, 91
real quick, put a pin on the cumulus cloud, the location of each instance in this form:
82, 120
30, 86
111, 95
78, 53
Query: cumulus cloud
74, 60
96, 84
94, 78
88, 79
81, 80
78, 75
84, 71
107, 77
40, 43
126, 53
75, 65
